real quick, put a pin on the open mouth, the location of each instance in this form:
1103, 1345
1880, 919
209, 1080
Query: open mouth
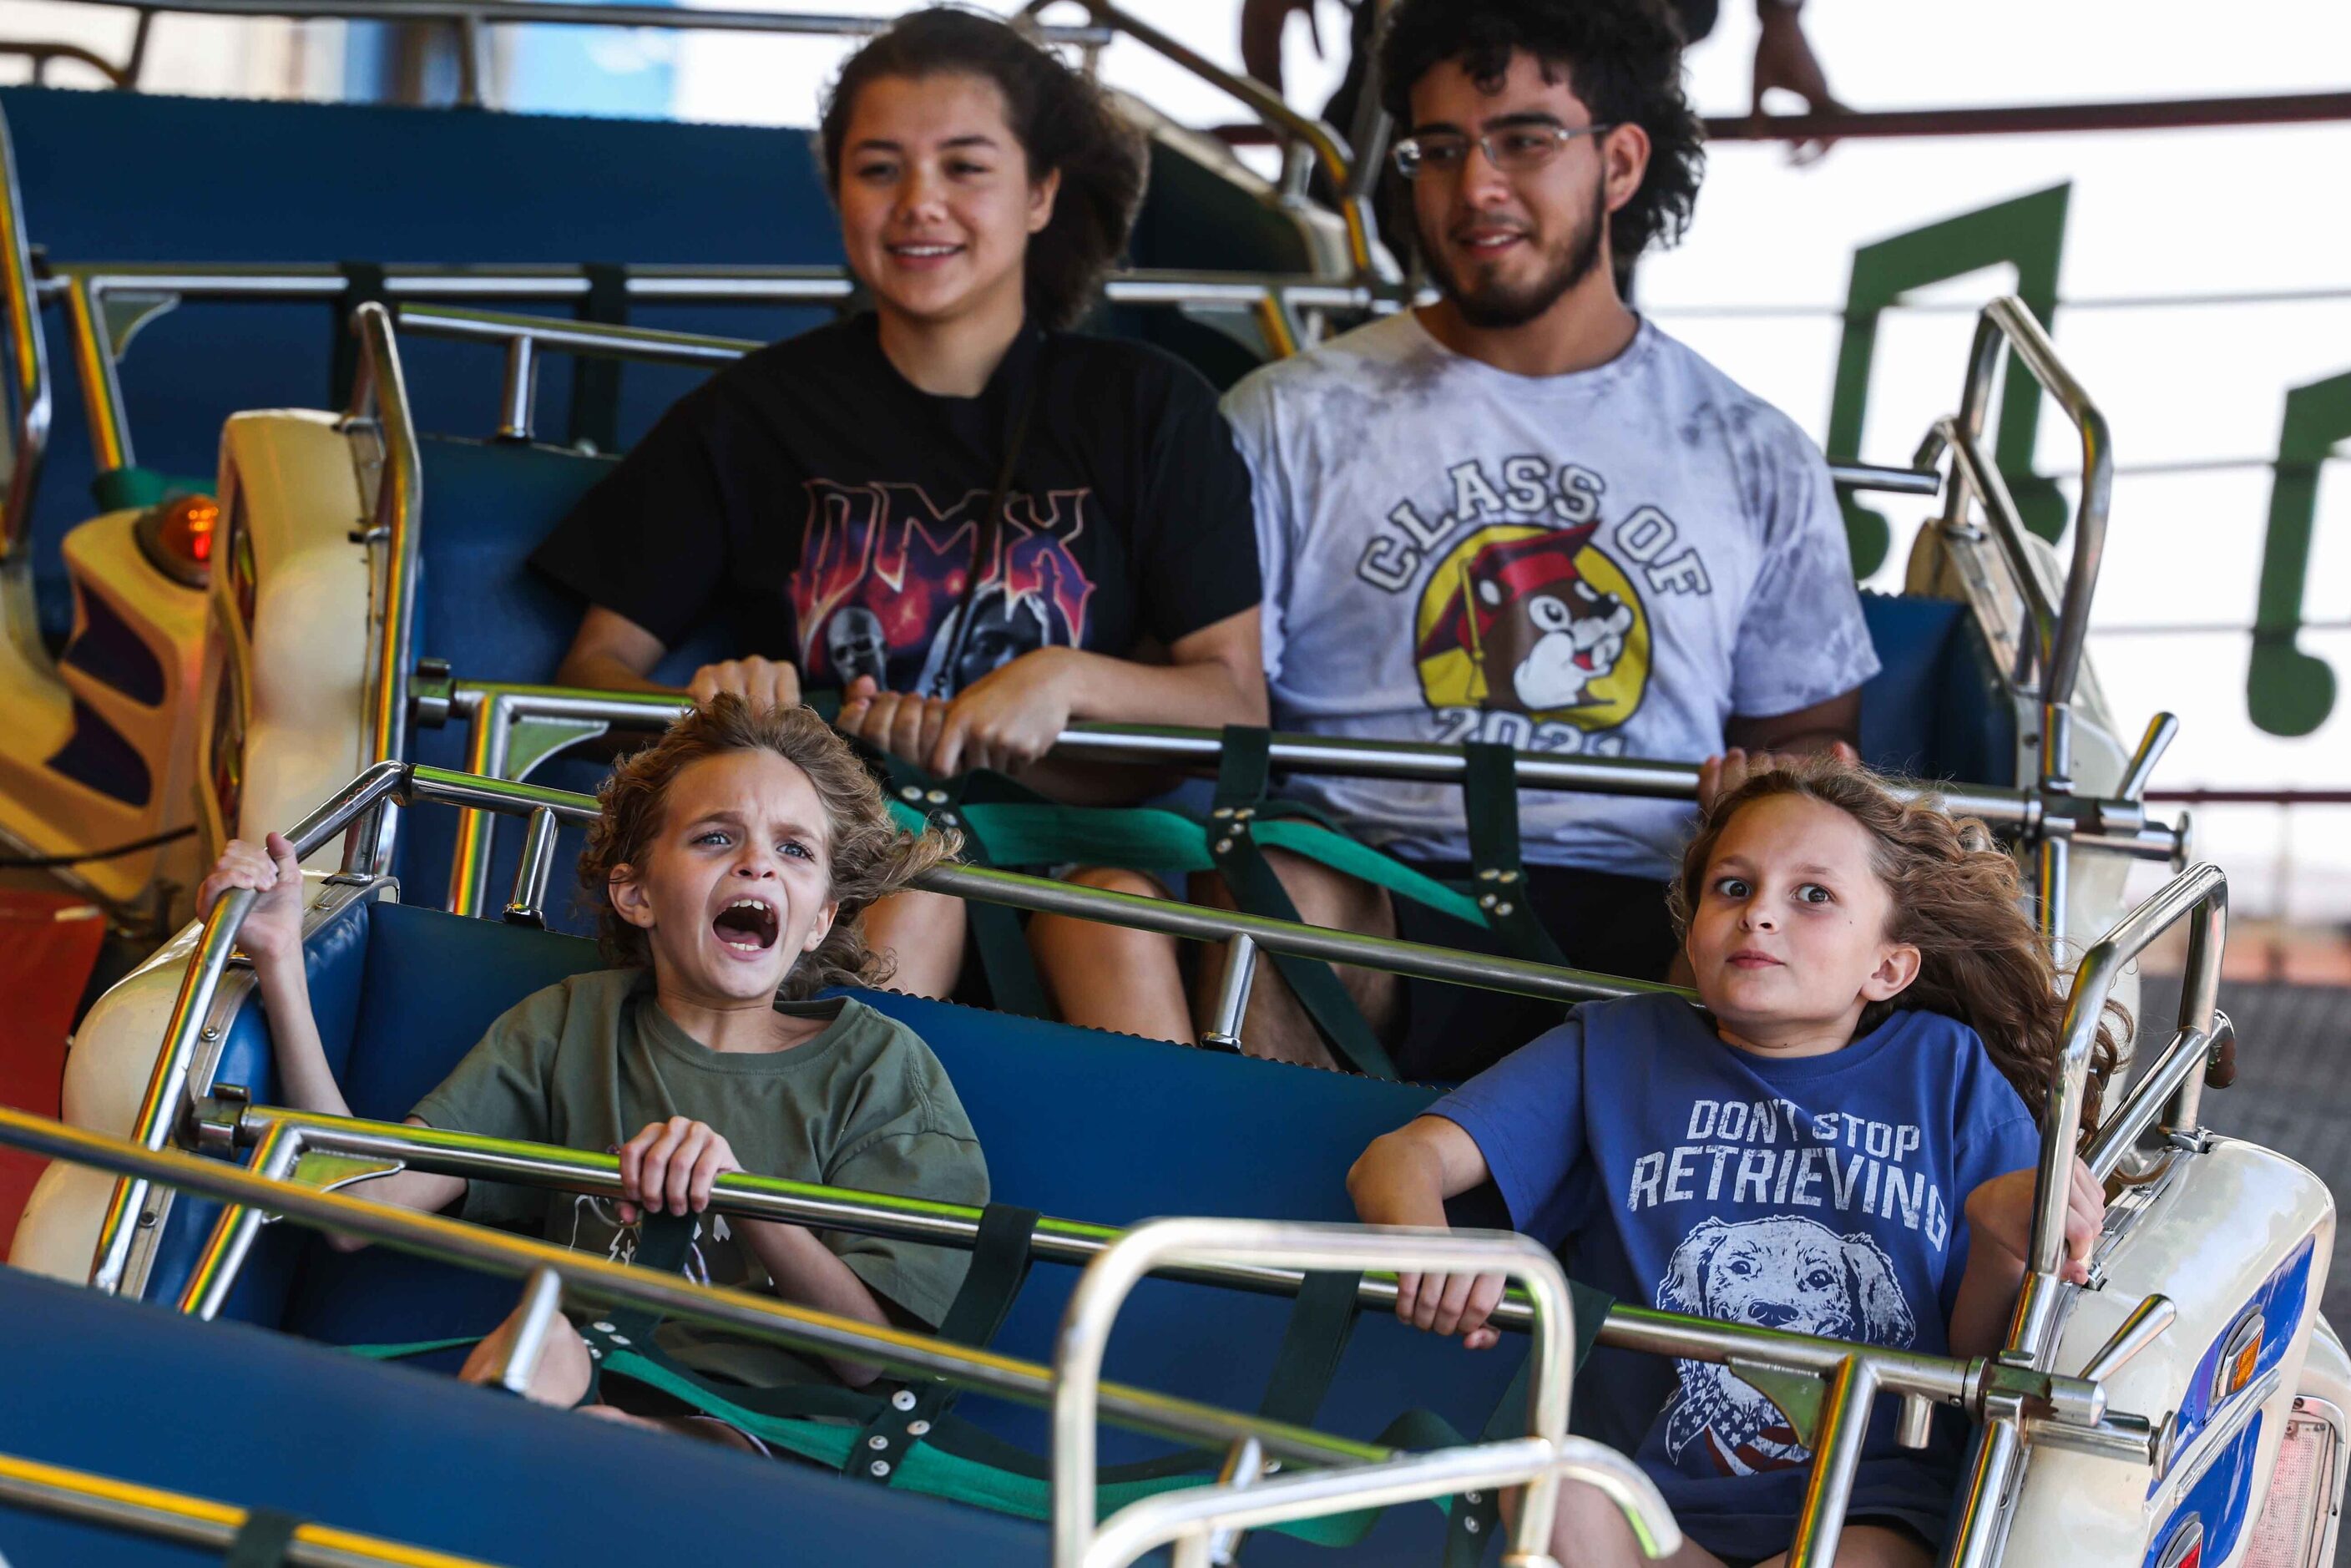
747, 926
929, 252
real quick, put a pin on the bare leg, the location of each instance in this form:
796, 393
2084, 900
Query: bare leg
925, 933
1112, 977
561, 1379
1276, 1025
1872, 1546
1589, 1532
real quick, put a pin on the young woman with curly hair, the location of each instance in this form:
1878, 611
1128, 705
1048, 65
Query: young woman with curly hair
975, 522
735, 858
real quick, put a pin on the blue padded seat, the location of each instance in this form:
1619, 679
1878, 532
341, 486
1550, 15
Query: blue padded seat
1936, 709
1076, 1123
228, 1413
479, 606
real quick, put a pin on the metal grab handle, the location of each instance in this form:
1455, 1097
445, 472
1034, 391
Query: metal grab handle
1155, 1244
2146, 1323
2161, 731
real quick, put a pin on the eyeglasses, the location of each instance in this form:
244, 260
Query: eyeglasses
1519, 149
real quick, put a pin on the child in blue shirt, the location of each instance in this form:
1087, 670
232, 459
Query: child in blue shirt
1840, 1142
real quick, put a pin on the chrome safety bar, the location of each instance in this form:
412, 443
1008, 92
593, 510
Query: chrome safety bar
1327, 146
90, 290
1549, 1454
584, 1277
145, 1510
512, 728
2056, 636
2071, 1410
358, 810
2200, 896
28, 441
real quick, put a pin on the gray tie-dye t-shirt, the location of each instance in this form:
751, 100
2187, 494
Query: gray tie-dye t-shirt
1609, 563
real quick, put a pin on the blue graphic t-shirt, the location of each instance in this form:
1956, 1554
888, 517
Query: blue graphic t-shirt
1820, 1196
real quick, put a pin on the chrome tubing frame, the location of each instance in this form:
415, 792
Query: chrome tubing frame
88, 288
312, 1149
144, 1509
399, 505
358, 811
2058, 640
554, 717
761, 1317
1111, 1278
28, 355
1327, 146
2200, 896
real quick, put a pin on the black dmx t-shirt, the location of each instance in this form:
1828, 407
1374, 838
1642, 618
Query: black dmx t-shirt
833, 510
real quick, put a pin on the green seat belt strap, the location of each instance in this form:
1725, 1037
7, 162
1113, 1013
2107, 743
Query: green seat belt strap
1242, 777
262, 1540
595, 381
999, 1266
996, 933
1490, 799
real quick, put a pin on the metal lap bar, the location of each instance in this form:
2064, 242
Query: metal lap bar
1540, 1460
2200, 896
198, 1522
87, 287
565, 715
323, 1150
586, 1277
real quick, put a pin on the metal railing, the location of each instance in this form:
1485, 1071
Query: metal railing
144, 1509
2200, 896
1348, 1474
1323, 143
92, 291
470, 21
513, 728
2050, 652
28, 359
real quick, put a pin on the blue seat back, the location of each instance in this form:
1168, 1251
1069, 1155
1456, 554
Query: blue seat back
1075, 1122
1936, 709
133, 177
132, 1392
487, 506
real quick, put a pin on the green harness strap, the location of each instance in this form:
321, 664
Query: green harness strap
1490, 802
1013, 982
1241, 777
263, 1539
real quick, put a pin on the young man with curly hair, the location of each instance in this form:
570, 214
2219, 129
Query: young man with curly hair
1524, 515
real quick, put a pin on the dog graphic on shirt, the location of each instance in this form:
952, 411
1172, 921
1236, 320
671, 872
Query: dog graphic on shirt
1784, 1272
1541, 635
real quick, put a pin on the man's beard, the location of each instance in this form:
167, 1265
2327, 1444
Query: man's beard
1497, 306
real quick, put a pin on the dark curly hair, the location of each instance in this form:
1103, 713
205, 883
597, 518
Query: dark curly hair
1062, 120
1623, 57
1957, 898
870, 856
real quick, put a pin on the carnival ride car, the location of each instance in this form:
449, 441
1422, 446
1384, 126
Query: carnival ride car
2205, 1422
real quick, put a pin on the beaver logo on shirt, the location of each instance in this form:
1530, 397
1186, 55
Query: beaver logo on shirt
1534, 621
1785, 1272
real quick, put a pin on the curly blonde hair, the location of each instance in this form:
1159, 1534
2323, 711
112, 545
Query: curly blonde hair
870, 855
1957, 898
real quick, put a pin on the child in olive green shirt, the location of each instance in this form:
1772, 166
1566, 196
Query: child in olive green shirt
735, 857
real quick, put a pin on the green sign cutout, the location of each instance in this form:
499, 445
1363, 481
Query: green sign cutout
2028, 233
2287, 691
